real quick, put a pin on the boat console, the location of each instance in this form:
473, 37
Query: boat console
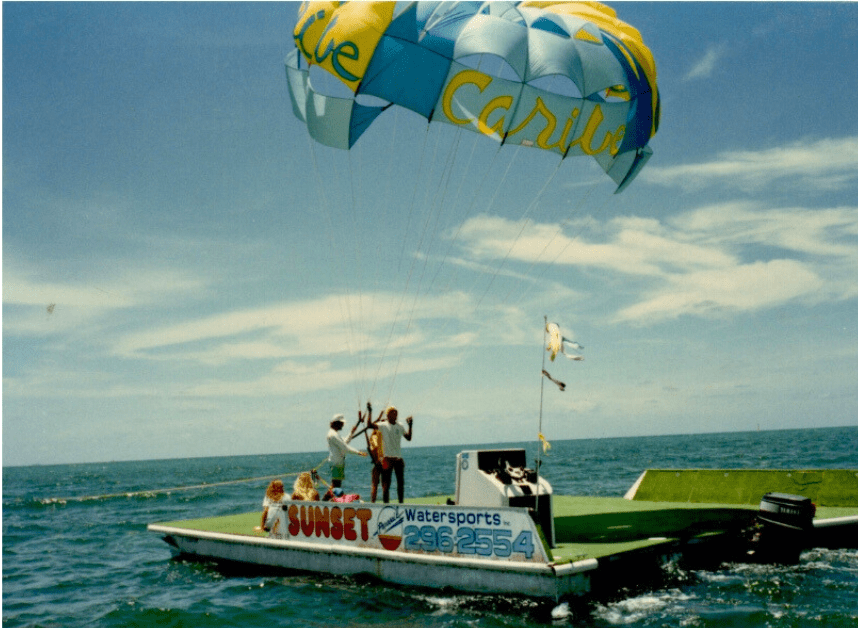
500, 478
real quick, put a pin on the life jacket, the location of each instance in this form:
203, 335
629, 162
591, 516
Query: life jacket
376, 446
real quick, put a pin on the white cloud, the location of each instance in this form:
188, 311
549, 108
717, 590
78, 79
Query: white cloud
828, 232
706, 66
331, 325
632, 246
815, 259
746, 287
819, 165
38, 306
712, 260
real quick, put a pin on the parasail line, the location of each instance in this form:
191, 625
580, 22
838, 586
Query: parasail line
572, 241
413, 195
358, 271
446, 175
156, 491
387, 195
521, 231
491, 203
433, 207
402, 256
470, 207
344, 303
547, 246
528, 209
173, 489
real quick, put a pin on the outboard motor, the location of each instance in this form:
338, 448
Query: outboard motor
785, 525
499, 478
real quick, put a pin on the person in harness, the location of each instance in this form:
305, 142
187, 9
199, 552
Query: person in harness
374, 446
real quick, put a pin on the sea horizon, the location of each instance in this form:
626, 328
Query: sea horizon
416, 447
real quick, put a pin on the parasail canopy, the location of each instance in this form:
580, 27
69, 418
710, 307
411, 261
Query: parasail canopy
565, 77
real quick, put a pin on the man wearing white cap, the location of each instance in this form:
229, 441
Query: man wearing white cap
337, 450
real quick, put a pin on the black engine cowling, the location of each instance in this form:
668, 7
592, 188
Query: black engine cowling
784, 527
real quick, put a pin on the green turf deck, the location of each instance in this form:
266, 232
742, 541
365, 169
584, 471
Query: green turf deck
243, 524
585, 527
617, 520
825, 487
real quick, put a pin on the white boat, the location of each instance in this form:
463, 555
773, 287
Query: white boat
505, 532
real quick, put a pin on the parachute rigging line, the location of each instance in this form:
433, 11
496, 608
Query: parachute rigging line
571, 242
413, 196
467, 213
436, 208
395, 320
548, 265
344, 302
526, 218
476, 196
384, 200
498, 268
359, 273
400, 306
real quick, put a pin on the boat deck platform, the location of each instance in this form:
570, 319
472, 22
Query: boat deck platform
586, 527
597, 540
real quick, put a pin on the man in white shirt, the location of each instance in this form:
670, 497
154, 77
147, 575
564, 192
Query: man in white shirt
338, 448
391, 435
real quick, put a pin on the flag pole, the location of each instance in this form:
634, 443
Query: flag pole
541, 395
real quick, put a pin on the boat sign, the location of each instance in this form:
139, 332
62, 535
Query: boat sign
456, 531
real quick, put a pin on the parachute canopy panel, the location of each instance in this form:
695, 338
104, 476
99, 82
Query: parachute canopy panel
407, 53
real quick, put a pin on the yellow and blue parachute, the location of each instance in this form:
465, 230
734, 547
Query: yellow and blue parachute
567, 77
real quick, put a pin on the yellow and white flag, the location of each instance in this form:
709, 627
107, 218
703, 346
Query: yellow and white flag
557, 343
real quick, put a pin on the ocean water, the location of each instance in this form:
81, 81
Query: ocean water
76, 551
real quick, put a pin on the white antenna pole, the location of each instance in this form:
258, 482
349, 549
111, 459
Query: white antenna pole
541, 395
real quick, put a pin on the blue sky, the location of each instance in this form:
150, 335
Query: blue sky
177, 282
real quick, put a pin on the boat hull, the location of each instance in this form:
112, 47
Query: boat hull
424, 570
599, 543
472, 549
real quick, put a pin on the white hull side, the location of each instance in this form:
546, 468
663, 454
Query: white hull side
424, 570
